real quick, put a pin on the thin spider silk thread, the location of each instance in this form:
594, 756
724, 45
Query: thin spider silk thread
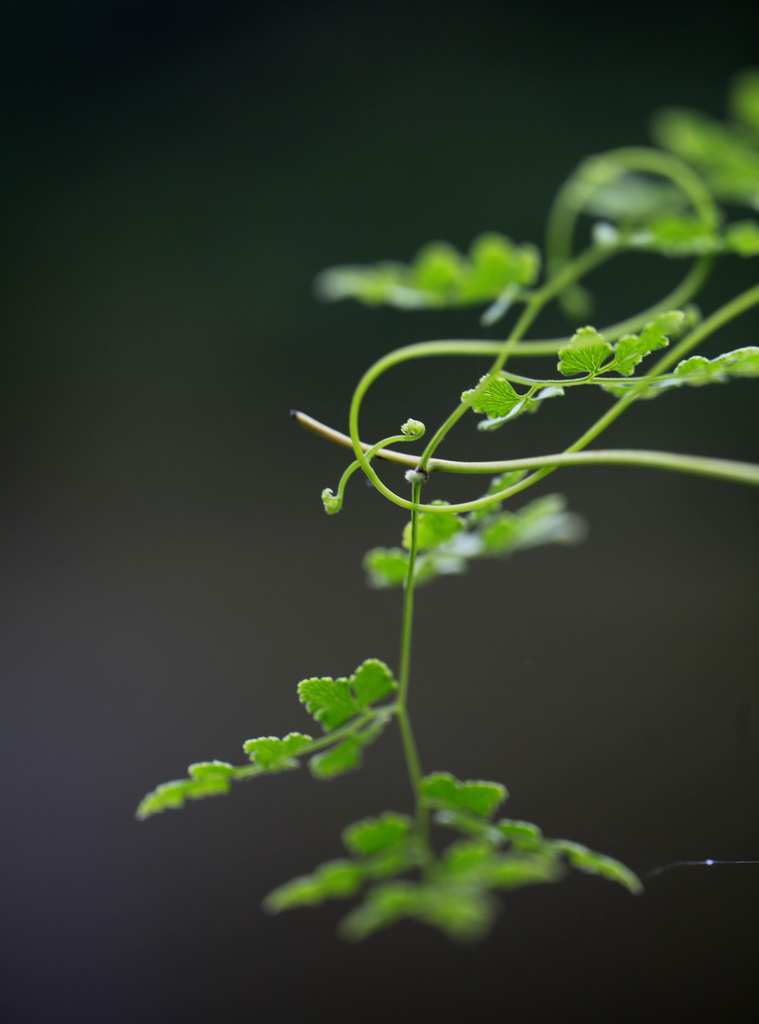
693, 863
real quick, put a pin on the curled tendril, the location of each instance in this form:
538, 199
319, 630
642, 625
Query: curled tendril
332, 502
413, 429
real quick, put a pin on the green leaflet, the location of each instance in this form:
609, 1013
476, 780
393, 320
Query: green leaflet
589, 353
377, 835
346, 755
461, 913
438, 276
380, 847
496, 264
437, 270
543, 521
478, 864
334, 880
592, 863
386, 567
632, 348
274, 754
517, 831
207, 778
501, 403
498, 400
433, 528
343, 757
698, 370
742, 362
333, 701
442, 791
586, 353
385, 846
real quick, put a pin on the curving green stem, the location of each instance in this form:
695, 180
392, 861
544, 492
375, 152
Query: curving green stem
597, 172
333, 502
740, 304
735, 307
568, 273
563, 272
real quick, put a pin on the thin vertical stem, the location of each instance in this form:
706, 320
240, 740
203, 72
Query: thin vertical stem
409, 745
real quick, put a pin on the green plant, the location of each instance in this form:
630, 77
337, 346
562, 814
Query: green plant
661, 201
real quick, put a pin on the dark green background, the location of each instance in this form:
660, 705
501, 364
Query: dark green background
176, 174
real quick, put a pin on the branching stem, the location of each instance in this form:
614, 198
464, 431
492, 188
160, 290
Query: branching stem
740, 304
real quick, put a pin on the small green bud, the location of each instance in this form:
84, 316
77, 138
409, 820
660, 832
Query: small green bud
332, 503
413, 428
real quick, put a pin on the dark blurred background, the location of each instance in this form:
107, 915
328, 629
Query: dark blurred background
175, 176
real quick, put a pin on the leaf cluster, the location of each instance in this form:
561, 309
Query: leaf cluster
206, 778
588, 353
449, 542
683, 234
346, 708
438, 276
697, 371
454, 892
334, 702
662, 226
380, 847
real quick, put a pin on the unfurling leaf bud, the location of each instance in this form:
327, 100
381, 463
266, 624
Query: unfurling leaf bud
332, 503
413, 429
